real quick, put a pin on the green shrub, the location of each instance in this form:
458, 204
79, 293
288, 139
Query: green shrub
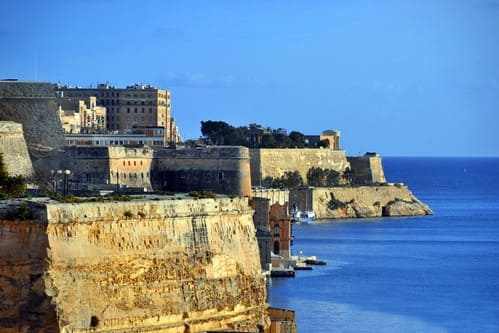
202, 195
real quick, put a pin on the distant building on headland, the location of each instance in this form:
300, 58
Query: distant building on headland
134, 107
328, 139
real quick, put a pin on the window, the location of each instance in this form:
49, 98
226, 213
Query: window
276, 247
276, 230
134, 163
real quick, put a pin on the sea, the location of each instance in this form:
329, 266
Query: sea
436, 273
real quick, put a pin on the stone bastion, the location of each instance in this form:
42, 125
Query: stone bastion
163, 264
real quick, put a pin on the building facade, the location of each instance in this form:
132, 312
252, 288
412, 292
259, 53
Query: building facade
135, 106
148, 136
280, 229
82, 115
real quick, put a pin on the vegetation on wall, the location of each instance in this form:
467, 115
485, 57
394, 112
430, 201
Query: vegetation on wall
290, 179
10, 187
323, 177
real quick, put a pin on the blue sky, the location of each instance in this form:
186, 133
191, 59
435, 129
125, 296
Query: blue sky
402, 78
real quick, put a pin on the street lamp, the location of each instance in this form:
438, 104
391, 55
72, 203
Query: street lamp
66, 181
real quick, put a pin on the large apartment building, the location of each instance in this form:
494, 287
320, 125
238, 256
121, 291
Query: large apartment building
136, 106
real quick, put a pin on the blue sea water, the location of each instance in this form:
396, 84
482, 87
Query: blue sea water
435, 273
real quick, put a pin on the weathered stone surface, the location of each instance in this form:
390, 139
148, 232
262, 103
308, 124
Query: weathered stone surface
33, 104
406, 208
157, 266
274, 162
24, 307
366, 201
13, 148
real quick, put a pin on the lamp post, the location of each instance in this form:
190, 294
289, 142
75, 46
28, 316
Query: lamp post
58, 175
54, 180
66, 181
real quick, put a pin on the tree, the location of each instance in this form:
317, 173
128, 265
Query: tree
322, 177
297, 139
348, 175
215, 131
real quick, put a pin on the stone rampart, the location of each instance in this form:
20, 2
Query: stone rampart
13, 148
216, 169
367, 170
33, 104
273, 162
146, 265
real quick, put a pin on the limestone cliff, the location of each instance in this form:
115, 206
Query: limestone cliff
146, 265
360, 201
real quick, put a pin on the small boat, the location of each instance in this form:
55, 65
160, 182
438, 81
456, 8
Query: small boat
306, 217
314, 261
302, 266
282, 272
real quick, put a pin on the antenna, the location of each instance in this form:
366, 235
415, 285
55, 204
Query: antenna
34, 64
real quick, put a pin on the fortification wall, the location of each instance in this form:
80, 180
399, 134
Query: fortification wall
216, 169
275, 162
109, 165
13, 148
360, 201
157, 266
367, 170
33, 104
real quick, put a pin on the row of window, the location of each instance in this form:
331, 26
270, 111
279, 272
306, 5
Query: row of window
135, 118
123, 175
135, 110
129, 164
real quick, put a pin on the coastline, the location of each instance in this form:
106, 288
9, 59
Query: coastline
361, 201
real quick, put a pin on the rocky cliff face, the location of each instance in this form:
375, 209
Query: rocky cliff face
367, 201
157, 266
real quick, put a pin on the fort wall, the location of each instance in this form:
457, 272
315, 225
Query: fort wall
150, 265
367, 169
14, 150
273, 162
221, 169
33, 104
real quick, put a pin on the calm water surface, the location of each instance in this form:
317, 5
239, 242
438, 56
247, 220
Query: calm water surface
421, 274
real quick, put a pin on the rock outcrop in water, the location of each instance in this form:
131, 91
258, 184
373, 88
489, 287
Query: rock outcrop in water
360, 201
